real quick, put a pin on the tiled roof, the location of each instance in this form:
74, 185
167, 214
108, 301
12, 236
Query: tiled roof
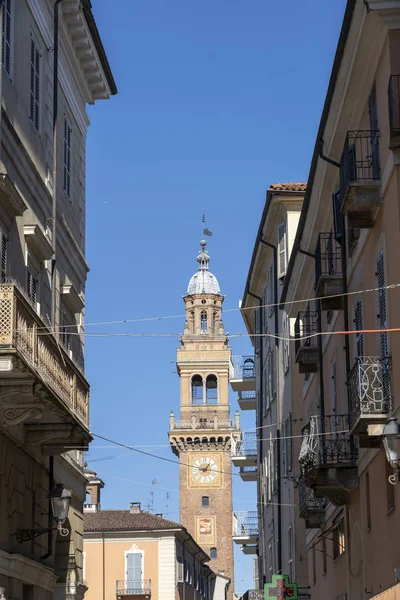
124, 520
288, 187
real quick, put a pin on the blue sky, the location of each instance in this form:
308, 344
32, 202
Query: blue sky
217, 100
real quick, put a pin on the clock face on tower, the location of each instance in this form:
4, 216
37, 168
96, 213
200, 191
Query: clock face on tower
204, 471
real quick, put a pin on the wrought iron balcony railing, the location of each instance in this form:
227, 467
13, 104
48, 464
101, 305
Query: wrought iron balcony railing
22, 331
328, 256
242, 367
247, 446
133, 587
245, 524
327, 443
369, 390
394, 110
309, 505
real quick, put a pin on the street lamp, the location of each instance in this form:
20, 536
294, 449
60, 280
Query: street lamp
60, 498
391, 443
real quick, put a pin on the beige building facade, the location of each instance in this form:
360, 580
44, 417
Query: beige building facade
339, 279
44, 395
202, 437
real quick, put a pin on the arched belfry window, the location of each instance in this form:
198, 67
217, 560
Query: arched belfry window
211, 389
203, 321
197, 389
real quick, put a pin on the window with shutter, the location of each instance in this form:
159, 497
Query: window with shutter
67, 157
179, 573
358, 322
34, 103
282, 251
382, 316
271, 290
31, 285
266, 307
337, 214
286, 348
134, 579
65, 331
257, 329
4, 257
7, 40
374, 126
335, 397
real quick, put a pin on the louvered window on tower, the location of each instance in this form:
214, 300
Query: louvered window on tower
380, 274
282, 251
197, 389
7, 41
67, 158
4, 257
34, 103
358, 322
211, 389
337, 214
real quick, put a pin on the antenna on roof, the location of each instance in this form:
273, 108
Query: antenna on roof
151, 501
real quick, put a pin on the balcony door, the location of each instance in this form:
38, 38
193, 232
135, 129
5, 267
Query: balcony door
134, 572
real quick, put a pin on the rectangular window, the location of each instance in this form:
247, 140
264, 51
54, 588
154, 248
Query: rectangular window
368, 501
134, 570
286, 347
32, 285
324, 557
339, 544
337, 214
67, 157
213, 553
358, 322
390, 501
4, 256
34, 103
7, 39
205, 501
65, 331
282, 251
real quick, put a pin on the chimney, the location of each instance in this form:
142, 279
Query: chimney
93, 487
135, 508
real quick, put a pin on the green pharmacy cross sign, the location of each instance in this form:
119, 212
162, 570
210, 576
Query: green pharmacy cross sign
280, 588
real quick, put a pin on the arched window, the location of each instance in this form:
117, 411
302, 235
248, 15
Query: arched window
197, 389
203, 321
211, 389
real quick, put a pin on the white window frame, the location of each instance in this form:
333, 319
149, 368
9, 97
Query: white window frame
8, 12
126, 563
67, 158
32, 87
282, 249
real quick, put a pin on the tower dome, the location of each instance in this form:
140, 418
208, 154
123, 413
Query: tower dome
203, 282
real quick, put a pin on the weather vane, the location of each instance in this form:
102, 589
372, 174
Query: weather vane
205, 230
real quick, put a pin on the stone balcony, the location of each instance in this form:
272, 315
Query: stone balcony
44, 395
245, 530
244, 450
242, 374
247, 400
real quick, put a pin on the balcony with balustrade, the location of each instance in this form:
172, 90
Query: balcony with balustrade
242, 374
306, 341
249, 473
311, 509
394, 111
370, 398
45, 392
245, 530
247, 400
140, 588
360, 178
328, 272
328, 457
244, 450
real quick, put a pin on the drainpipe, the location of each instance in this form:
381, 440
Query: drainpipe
50, 515
104, 568
54, 202
278, 412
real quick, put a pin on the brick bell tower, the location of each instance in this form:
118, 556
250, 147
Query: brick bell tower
202, 437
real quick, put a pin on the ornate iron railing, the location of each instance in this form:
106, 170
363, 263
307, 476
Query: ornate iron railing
133, 587
23, 331
327, 443
308, 503
328, 256
248, 395
360, 159
305, 324
247, 446
369, 387
245, 523
394, 103
242, 367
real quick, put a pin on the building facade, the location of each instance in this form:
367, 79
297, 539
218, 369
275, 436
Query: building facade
278, 532
44, 395
342, 277
134, 553
202, 436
